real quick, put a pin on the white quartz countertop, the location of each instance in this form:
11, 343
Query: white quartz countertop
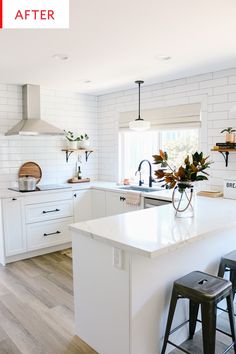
154, 231
111, 186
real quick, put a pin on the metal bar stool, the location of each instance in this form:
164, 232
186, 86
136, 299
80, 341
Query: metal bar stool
228, 264
205, 290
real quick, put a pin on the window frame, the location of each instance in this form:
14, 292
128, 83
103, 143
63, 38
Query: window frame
121, 144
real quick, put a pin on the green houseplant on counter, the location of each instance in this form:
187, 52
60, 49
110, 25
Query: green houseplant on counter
182, 179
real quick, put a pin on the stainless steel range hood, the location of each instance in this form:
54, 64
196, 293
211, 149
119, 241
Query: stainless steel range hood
32, 124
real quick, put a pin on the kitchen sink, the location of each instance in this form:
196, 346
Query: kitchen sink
141, 189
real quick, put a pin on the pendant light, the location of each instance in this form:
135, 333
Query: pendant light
139, 124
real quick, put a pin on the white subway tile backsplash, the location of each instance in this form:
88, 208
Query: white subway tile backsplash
224, 89
217, 99
222, 107
214, 82
224, 73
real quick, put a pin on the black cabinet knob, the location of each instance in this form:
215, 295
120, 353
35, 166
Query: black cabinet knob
75, 195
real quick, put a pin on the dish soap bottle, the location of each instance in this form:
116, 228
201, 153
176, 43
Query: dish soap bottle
79, 174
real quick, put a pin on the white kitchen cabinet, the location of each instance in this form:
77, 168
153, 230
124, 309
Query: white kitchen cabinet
48, 211
98, 204
35, 222
48, 233
116, 204
13, 226
82, 205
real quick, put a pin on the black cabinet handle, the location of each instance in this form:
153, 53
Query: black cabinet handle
75, 195
50, 211
14, 199
122, 199
52, 233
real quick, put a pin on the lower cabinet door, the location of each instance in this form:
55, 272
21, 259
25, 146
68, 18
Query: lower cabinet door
48, 233
115, 203
82, 205
13, 225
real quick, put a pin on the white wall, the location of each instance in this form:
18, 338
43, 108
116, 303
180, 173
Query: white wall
70, 111
217, 94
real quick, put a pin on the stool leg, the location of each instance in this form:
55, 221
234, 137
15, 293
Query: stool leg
230, 307
193, 312
221, 270
173, 302
209, 327
233, 281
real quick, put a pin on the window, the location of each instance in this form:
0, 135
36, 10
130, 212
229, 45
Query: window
135, 147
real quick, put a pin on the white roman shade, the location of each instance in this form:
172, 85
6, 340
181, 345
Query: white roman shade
181, 116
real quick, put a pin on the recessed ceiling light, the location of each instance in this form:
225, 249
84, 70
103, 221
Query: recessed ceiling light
84, 81
60, 57
163, 57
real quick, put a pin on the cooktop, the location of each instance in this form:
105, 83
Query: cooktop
46, 187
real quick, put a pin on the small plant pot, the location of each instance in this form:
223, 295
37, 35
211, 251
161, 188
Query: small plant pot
85, 144
72, 144
230, 138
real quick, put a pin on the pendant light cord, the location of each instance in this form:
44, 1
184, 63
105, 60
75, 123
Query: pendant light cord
139, 101
139, 82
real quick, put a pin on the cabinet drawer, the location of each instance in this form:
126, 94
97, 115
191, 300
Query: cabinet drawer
49, 233
49, 211
45, 197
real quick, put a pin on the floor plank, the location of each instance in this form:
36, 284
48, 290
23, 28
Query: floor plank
36, 307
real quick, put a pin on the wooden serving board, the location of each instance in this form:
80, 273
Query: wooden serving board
31, 169
76, 180
210, 194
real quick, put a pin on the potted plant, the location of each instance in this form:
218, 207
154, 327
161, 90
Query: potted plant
230, 136
83, 141
182, 179
71, 139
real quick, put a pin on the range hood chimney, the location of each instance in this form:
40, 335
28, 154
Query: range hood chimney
32, 124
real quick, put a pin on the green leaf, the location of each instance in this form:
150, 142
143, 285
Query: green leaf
201, 178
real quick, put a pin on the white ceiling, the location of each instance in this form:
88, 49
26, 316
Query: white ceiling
114, 42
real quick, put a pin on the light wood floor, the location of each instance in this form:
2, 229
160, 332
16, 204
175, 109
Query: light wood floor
36, 310
36, 307
222, 341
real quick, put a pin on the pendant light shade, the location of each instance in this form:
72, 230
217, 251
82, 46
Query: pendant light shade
139, 124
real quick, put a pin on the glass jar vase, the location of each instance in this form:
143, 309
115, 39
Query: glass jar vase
183, 199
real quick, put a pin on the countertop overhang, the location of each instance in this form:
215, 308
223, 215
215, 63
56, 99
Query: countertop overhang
154, 231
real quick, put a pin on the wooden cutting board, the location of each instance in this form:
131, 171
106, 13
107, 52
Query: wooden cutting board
76, 180
30, 169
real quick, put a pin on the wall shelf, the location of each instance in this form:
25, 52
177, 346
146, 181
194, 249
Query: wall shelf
225, 154
70, 151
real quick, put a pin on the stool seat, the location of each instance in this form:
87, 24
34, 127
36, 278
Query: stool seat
202, 287
231, 256
230, 259
228, 264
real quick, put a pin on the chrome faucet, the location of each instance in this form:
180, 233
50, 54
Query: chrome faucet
150, 173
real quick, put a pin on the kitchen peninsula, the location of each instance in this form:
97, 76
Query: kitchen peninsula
124, 267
